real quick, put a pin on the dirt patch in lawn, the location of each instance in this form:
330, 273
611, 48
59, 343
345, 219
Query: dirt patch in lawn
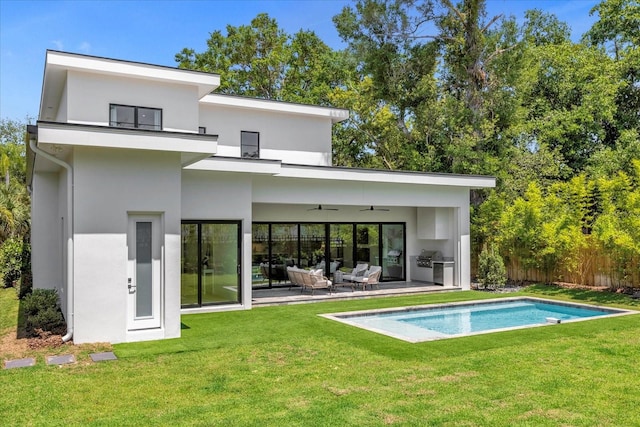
46, 344
11, 347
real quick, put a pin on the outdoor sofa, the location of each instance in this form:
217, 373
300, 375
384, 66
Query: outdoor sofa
308, 279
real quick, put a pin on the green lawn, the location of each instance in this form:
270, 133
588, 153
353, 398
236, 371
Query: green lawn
285, 366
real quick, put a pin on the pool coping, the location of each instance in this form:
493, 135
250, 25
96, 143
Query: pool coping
343, 317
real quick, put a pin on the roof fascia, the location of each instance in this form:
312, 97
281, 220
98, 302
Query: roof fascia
278, 169
335, 114
206, 82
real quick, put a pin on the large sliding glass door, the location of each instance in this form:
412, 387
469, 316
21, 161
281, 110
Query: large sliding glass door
329, 246
210, 263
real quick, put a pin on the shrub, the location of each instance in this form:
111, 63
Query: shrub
10, 261
42, 311
491, 270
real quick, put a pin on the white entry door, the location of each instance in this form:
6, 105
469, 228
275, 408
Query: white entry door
144, 272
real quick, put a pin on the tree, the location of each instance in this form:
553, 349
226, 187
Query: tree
491, 270
618, 26
261, 60
251, 58
617, 227
541, 28
618, 31
12, 151
567, 94
395, 86
14, 199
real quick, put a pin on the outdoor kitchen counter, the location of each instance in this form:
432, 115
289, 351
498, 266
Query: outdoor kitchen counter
443, 272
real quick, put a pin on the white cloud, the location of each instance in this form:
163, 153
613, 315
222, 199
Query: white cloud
84, 47
58, 44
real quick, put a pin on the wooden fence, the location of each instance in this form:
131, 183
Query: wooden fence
594, 269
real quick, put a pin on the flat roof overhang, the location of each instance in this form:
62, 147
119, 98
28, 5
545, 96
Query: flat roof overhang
58, 138
230, 101
278, 169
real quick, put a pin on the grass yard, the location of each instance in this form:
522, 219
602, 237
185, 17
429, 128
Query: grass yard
285, 366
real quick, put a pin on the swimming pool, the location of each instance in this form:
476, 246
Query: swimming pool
438, 321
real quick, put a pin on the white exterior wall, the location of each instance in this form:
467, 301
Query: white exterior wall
46, 239
110, 184
89, 96
290, 138
221, 196
62, 108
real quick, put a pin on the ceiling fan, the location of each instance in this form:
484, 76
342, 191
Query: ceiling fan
371, 208
320, 208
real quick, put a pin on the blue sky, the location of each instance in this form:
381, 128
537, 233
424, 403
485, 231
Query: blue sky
153, 31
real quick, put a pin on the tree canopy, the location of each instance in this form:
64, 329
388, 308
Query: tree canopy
440, 86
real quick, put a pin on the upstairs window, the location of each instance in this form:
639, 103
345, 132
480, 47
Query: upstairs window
126, 116
250, 144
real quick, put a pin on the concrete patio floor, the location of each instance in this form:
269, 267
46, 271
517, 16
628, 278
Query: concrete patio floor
284, 295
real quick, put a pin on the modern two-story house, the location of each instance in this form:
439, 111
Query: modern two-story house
153, 196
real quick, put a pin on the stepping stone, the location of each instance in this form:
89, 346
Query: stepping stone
19, 363
61, 360
101, 357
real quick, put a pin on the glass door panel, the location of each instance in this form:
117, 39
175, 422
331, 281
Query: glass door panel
312, 246
219, 275
210, 263
189, 267
341, 239
284, 251
393, 252
259, 255
367, 244
144, 270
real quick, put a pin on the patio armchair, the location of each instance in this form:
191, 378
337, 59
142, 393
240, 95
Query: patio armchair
333, 266
371, 277
319, 281
358, 271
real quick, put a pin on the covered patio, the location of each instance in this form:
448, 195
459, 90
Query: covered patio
293, 295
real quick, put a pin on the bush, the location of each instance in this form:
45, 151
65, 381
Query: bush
491, 270
10, 261
42, 311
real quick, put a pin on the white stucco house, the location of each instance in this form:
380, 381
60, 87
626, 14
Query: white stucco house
153, 196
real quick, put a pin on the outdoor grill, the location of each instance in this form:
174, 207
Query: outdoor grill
426, 258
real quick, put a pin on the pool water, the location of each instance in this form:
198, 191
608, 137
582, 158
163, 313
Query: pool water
452, 320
